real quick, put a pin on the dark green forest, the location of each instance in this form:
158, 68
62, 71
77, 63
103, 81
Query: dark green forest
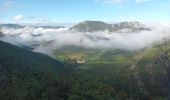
25, 75
77, 73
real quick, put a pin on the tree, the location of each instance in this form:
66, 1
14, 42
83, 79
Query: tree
164, 61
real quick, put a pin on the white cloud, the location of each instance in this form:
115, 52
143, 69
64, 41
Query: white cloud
121, 1
18, 17
62, 37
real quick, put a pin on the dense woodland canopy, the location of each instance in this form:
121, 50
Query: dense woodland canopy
106, 75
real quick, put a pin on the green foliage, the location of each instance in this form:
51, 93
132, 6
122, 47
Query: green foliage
91, 26
25, 75
110, 74
107, 74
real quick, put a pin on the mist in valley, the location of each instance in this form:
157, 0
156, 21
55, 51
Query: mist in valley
46, 40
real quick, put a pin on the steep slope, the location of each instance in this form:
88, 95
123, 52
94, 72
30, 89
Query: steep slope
25, 75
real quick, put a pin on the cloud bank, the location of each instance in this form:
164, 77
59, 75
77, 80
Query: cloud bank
47, 40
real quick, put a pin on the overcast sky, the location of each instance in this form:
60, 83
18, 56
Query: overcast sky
71, 11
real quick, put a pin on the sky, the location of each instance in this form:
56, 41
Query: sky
73, 11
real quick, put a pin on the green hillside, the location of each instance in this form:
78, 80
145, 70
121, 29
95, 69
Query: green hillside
25, 75
113, 74
91, 26
105, 74
99, 26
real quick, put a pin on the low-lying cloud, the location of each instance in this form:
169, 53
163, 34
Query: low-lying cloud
48, 40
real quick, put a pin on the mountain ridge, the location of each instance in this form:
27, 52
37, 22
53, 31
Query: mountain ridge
122, 27
18, 26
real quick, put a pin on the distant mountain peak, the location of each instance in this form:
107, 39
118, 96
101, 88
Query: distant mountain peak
129, 27
15, 26
18, 26
93, 26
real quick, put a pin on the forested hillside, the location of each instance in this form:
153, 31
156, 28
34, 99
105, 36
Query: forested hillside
113, 74
25, 75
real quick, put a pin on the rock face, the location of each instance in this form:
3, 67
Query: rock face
93, 26
129, 27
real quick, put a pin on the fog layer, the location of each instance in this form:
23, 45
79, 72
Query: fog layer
47, 40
